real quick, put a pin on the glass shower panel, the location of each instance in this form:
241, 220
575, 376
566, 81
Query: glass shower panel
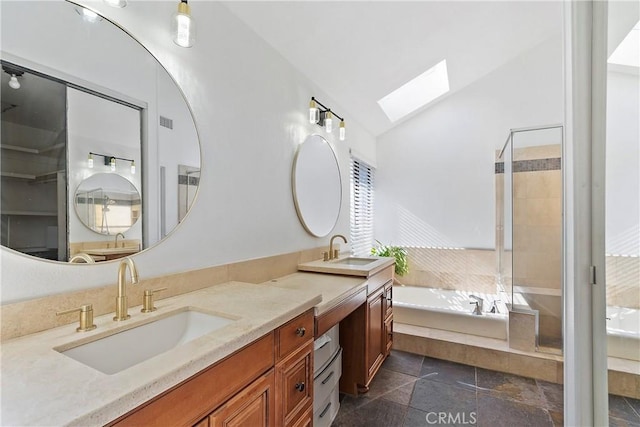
536, 196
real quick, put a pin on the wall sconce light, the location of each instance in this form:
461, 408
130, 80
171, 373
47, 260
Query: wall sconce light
110, 161
116, 3
183, 27
323, 116
14, 83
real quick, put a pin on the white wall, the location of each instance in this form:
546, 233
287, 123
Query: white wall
435, 178
623, 164
251, 109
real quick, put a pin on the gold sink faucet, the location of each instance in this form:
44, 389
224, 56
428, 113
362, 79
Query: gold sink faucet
333, 254
116, 244
122, 305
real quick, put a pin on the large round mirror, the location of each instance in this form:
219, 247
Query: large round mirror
85, 106
317, 186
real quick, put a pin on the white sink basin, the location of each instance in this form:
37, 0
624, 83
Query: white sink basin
356, 261
122, 350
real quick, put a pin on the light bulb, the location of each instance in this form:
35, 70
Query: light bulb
133, 167
343, 131
116, 3
183, 27
112, 163
90, 161
314, 113
13, 82
328, 121
88, 15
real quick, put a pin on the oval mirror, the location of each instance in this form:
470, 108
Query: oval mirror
317, 186
83, 101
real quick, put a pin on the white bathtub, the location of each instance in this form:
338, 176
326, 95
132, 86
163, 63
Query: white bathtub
448, 310
623, 332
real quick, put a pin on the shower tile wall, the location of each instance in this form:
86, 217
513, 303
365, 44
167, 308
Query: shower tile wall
537, 235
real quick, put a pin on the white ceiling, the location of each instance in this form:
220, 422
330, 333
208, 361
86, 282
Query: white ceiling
360, 51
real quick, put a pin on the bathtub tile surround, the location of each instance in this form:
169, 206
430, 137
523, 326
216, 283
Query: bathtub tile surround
15, 323
522, 330
496, 399
494, 354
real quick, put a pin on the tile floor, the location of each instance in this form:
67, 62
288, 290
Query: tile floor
411, 390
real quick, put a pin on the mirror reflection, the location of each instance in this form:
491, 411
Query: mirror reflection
108, 204
82, 99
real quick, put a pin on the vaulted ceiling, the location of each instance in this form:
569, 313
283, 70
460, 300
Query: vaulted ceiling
360, 51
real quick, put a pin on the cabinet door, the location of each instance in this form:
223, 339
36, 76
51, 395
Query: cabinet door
294, 385
253, 406
376, 342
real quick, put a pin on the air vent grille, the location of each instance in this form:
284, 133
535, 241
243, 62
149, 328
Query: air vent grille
166, 122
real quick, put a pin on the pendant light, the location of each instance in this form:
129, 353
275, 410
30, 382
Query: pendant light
133, 167
183, 27
90, 161
343, 130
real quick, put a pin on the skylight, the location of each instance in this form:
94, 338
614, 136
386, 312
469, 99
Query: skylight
628, 51
417, 92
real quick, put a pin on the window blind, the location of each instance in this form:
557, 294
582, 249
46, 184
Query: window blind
361, 218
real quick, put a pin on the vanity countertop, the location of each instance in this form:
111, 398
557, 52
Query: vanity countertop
41, 386
109, 251
337, 266
334, 289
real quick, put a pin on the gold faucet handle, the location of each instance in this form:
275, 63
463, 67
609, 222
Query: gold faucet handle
147, 300
86, 317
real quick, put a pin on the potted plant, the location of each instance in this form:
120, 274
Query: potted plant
397, 252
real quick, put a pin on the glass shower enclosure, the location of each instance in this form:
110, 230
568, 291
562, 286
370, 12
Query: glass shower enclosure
529, 235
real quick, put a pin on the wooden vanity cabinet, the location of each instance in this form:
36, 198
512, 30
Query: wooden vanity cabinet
366, 336
267, 383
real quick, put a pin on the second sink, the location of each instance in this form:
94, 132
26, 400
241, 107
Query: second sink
122, 350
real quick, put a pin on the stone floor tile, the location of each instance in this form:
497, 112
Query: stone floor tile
448, 372
496, 412
553, 395
434, 396
403, 362
620, 408
511, 387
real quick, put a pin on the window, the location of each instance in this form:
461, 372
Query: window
361, 207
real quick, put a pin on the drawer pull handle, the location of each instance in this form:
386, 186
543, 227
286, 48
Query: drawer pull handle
300, 387
324, 411
301, 331
327, 379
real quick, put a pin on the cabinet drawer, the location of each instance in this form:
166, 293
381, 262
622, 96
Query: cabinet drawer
326, 381
377, 280
323, 354
388, 298
294, 333
325, 413
294, 385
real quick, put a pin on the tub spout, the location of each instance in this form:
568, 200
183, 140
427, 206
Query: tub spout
477, 310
